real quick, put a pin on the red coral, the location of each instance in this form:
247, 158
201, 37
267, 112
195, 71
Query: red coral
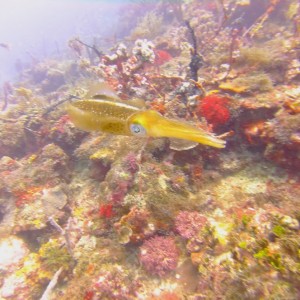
158, 105
188, 223
159, 255
166, 296
60, 124
106, 211
26, 196
214, 109
89, 295
161, 57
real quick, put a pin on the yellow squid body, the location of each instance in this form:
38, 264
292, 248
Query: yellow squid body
156, 125
102, 115
113, 116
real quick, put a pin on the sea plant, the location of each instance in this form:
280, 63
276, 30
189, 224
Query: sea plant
54, 256
255, 82
149, 27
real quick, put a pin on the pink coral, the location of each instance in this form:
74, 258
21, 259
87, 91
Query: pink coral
120, 192
189, 223
131, 163
159, 255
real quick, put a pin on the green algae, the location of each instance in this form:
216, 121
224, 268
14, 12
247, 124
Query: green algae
150, 26
255, 82
279, 231
54, 256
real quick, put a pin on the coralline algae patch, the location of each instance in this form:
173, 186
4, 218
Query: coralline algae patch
12, 251
251, 181
240, 183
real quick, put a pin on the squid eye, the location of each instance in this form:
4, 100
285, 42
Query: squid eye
138, 130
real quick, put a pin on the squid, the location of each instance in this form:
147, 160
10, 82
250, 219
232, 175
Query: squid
106, 112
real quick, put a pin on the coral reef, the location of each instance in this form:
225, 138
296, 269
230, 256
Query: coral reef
89, 215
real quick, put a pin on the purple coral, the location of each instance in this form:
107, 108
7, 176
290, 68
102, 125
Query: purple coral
159, 255
189, 223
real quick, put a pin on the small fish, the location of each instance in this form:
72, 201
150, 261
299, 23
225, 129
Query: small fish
106, 112
5, 46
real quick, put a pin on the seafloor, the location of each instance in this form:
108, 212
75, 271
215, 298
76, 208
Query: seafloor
98, 216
